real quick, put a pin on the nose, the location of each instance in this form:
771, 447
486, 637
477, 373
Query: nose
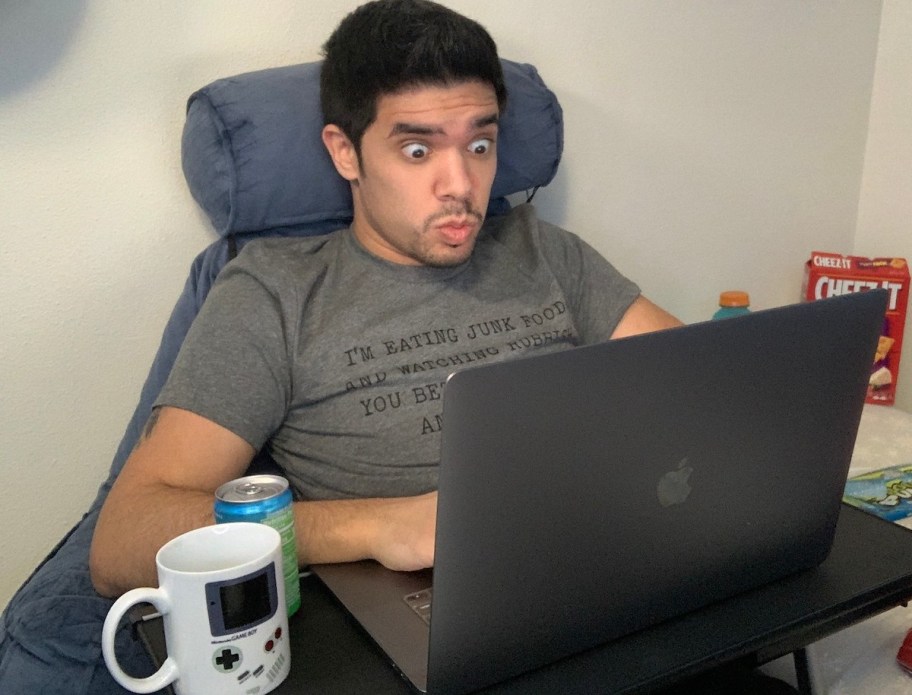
454, 178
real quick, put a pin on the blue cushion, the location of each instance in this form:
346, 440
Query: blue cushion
254, 160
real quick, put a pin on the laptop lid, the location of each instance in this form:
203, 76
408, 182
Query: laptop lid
591, 493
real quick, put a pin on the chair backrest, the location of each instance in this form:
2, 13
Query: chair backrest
254, 159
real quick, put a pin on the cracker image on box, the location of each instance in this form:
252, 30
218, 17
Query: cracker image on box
831, 274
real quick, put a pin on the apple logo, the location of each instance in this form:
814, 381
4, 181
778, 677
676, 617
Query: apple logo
674, 487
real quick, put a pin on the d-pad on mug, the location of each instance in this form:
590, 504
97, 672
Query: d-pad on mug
222, 601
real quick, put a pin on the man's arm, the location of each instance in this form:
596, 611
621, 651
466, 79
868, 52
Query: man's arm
167, 487
643, 317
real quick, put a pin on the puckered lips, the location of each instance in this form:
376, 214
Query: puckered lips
456, 231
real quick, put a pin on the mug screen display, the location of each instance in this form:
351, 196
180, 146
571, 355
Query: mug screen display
245, 602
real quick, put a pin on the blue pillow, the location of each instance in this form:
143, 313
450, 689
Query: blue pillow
254, 159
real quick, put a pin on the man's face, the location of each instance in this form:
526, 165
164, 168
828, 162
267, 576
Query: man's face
427, 163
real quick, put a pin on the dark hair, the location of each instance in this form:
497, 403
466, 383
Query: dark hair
387, 46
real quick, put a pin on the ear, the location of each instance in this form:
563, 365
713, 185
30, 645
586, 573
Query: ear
342, 152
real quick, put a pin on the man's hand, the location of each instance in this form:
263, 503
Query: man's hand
396, 532
405, 538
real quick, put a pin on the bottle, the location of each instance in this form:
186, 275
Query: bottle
732, 303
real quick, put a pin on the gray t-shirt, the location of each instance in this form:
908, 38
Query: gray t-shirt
335, 359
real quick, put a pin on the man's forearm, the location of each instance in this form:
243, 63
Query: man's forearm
129, 534
167, 487
397, 532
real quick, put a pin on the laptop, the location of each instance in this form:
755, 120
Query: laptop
591, 493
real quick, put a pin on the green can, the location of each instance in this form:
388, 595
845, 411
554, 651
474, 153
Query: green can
265, 499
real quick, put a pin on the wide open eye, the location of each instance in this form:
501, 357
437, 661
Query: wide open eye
415, 150
481, 146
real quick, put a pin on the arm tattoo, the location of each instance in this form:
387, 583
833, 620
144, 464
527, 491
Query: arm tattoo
150, 424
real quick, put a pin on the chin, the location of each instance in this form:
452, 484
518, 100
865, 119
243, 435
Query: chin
449, 258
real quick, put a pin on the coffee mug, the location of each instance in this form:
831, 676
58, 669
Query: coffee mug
222, 601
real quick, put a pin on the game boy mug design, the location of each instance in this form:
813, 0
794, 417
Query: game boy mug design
222, 601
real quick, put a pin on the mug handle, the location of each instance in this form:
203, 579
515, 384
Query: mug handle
165, 675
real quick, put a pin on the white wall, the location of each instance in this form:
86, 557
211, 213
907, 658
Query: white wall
885, 204
710, 145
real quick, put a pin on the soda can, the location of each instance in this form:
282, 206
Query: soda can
265, 499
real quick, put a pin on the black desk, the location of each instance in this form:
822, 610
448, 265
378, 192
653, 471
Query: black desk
869, 570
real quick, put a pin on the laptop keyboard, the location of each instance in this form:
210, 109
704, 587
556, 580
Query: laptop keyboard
420, 602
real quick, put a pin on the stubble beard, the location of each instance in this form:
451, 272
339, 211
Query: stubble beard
425, 252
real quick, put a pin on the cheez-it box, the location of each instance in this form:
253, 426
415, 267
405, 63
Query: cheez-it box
829, 275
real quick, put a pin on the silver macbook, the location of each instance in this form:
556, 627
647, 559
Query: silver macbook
591, 493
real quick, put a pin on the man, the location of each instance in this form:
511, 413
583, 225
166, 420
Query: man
331, 352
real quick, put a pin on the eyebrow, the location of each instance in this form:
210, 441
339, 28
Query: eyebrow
418, 129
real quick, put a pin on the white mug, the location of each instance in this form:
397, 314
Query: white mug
222, 601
